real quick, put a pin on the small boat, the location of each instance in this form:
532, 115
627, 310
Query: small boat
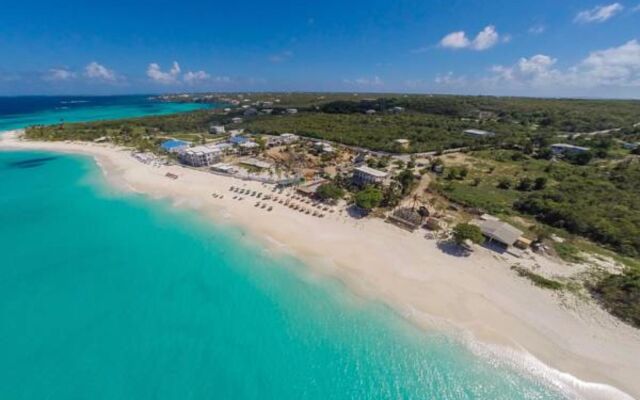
263, 206
270, 208
257, 204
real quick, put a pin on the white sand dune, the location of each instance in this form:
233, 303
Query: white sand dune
478, 297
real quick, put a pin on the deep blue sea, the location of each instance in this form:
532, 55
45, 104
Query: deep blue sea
19, 112
106, 295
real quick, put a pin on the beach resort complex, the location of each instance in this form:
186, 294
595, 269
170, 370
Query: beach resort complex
345, 200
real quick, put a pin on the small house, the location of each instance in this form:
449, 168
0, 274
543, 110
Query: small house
502, 233
402, 143
288, 138
479, 133
324, 147
365, 175
564, 148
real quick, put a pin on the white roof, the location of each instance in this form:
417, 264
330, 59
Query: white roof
256, 163
222, 167
500, 231
370, 171
402, 140
569, 146
202, 149
249, 145
479, 132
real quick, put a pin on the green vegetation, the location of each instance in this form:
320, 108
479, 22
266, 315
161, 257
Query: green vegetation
330, 192
596, 201
464, 232
620, 294
378, 132
368, 198
568, 252
538, 280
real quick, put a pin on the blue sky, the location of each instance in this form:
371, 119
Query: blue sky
542, 48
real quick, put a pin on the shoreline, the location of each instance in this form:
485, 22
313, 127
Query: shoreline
477, 296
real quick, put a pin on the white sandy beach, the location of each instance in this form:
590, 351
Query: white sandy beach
477, 296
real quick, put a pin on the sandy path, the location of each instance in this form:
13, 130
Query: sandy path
478, 297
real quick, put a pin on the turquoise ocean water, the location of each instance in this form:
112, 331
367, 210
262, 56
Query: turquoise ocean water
106, 295
19, 112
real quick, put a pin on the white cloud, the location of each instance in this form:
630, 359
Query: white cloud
193, 78
616, 67
375, 81
450, 79
455, 40
537, 29
537, 64
485, 39
599, 14
166, 78
636, 9
97, 71
59, 74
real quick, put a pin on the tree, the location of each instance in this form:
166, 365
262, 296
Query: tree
504, 184
262, 142
540, 183
464, 232
406, 179
330, 191
525, 184
368, 198
582, 158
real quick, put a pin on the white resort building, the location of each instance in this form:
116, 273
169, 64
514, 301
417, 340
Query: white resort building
364, 175
200, 156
